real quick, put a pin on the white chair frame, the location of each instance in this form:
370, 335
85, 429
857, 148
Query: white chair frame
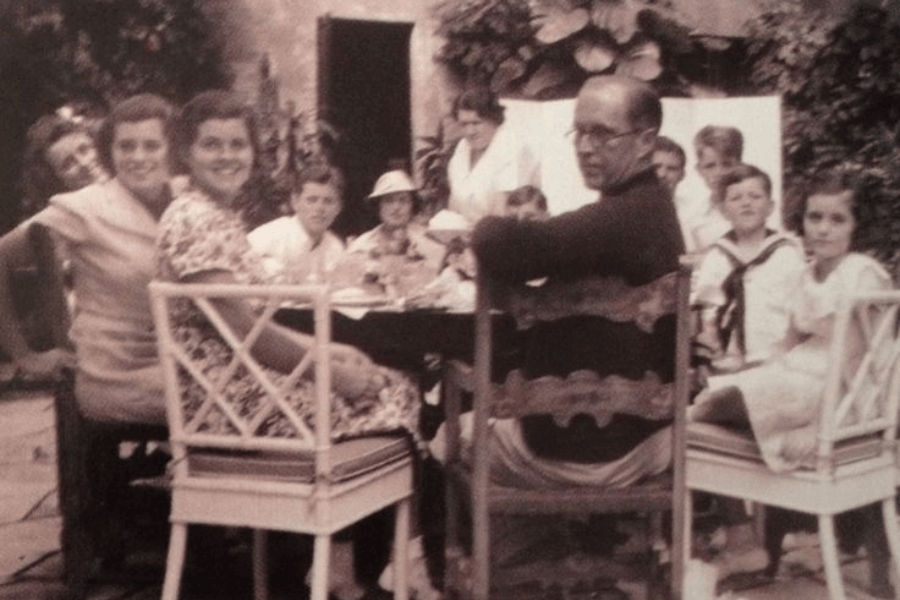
319, 506
856, 456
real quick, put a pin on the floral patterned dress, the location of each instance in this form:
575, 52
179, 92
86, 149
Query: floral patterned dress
196, 234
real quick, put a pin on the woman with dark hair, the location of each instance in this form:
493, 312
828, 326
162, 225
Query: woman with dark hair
398, 234
487, 163
61, 156
203, 239
107, 231
780, 399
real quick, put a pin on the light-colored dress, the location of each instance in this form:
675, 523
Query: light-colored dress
109, 235
786, 393
287, 248
196, 235
476, 190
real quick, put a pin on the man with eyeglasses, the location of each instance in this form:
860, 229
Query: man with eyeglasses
629, 241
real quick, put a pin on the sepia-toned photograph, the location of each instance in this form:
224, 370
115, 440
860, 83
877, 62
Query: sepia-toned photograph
449, 299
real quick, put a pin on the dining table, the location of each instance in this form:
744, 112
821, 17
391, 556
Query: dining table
415, 340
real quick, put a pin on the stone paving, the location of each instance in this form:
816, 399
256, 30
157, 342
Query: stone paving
31, 565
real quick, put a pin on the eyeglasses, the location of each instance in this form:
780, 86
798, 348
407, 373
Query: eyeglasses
597, 136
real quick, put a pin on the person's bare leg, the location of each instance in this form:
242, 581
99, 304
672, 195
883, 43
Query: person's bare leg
342, 581
724, 406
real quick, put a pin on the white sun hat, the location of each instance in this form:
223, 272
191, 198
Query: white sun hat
392, 181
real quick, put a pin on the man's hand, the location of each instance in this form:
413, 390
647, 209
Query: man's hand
46, 365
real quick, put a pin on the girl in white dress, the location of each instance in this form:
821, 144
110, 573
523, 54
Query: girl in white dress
780, 399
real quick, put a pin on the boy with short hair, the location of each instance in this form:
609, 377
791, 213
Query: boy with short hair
670, 161
747, 275
742, 288
719, 148
301, 246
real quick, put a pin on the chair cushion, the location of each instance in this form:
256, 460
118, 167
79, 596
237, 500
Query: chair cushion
741, 443
349, 459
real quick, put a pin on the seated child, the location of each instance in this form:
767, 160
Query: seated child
527, 203
780, 399
743, 288
300, 247
747, 276
718, 149
669, 161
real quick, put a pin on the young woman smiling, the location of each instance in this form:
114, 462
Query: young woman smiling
203, 238
107, 231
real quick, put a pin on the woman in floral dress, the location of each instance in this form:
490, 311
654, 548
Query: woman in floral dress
203, 239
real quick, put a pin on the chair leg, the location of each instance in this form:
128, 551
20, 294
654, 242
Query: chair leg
687, 534
656, 542
453, 552
481, 557
401, 550
889, 515
321, 558
260, 565
175, 561
76, 539
830, 559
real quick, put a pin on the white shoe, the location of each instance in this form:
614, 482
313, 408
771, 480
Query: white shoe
741, 560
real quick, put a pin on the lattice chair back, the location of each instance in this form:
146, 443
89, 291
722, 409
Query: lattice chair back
862, 394
212, 419
248, 449
855, 463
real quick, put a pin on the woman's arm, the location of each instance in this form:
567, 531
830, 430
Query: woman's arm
353, 373
16, 253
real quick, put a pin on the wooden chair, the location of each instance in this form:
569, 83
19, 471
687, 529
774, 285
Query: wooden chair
92, 479
303, 483
469, 479
855, 459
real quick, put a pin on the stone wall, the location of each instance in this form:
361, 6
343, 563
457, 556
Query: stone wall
286, 30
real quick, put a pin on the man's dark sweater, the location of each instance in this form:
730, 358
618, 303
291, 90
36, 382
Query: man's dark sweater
632, 233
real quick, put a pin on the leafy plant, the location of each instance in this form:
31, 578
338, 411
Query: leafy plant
431, 161
94, 53
840, 84
545, 48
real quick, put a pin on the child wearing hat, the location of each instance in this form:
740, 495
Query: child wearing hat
301, 246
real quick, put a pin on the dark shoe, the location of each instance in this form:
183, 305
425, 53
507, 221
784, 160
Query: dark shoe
372, 593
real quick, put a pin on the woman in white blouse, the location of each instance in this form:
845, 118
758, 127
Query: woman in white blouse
487, 163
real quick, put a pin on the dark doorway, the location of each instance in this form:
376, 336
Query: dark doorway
364, 92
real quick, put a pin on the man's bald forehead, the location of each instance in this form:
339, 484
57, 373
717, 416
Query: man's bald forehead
639, 100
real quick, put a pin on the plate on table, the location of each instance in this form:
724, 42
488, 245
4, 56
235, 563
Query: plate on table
358, 298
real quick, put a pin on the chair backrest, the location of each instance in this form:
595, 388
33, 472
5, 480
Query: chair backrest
238, 429
52, 305
582, 392
862, 392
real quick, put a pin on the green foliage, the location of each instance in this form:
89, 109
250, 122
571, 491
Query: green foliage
94, 53
160, 46
483, 35
840, 84
546, 48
